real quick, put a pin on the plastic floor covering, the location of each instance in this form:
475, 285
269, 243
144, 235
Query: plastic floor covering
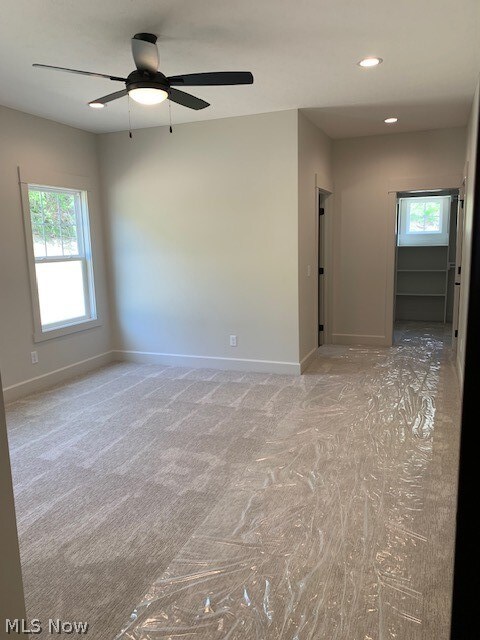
341, 526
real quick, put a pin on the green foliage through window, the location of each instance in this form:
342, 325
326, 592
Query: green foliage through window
424, 217
54, 222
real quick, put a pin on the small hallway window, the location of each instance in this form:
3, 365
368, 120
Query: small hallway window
424, 217
424, 220
61, 265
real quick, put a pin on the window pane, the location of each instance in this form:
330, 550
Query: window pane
54, 222
68, 223
35, 198
424, 217
60, 291
51, 224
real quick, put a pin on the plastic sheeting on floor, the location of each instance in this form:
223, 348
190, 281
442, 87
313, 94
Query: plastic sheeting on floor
327, 533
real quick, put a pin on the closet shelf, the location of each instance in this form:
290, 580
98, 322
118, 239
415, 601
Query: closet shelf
423, 282
423, 295
421, 270
422, 246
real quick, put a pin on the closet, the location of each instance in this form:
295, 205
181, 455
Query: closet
425, 256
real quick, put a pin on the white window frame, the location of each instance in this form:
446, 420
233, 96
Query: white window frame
424, 238
72, 325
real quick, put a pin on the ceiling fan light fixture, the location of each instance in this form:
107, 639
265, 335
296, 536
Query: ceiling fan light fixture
96, 105
148, 95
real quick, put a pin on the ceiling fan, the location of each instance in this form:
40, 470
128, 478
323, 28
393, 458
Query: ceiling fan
147, 85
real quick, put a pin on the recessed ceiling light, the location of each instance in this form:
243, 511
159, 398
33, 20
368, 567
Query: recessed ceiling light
96, 105
390, 120
370, 62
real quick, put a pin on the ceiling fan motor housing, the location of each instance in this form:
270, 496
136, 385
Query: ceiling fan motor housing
146, 37
145, 80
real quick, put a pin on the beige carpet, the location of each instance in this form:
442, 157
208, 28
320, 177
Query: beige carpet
229, 505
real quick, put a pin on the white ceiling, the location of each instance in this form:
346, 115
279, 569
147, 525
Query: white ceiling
303, 54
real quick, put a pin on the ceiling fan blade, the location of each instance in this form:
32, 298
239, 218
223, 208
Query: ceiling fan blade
109, 98
82, 73
145, 52
215, 78
187, 100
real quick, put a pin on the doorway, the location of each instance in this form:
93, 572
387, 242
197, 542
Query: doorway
458, 265
427, 259
321, 315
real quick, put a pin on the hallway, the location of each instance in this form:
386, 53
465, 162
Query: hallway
256, 505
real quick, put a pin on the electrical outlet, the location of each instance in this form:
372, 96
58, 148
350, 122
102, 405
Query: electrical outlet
233, 341
34, 356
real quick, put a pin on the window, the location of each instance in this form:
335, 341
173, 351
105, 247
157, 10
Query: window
424, 217
63, 291
424, 220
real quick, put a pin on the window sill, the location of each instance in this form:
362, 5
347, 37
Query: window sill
84, 325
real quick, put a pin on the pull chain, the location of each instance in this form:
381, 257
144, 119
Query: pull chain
129, 120
170, 114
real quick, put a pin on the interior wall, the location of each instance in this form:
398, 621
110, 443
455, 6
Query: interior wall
204, 241
471, 155
31, 142
12, 601
365, 170
314, 172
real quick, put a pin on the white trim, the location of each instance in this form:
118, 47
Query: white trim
67, 329
391, 266
459, 370
308, 359
46, 380
43, 176
451, 181
73, 325
353, 338
328, 260
327, 243
210, 362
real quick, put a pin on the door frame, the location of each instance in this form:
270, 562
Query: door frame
326, 239
452, 181
457, 279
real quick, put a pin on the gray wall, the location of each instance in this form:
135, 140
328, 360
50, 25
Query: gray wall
12, 604
204, 236
44, 146
365, 170
314, 172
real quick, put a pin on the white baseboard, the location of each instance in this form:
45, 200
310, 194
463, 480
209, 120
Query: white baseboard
358, 339
307, 360
50, 379
209, 362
